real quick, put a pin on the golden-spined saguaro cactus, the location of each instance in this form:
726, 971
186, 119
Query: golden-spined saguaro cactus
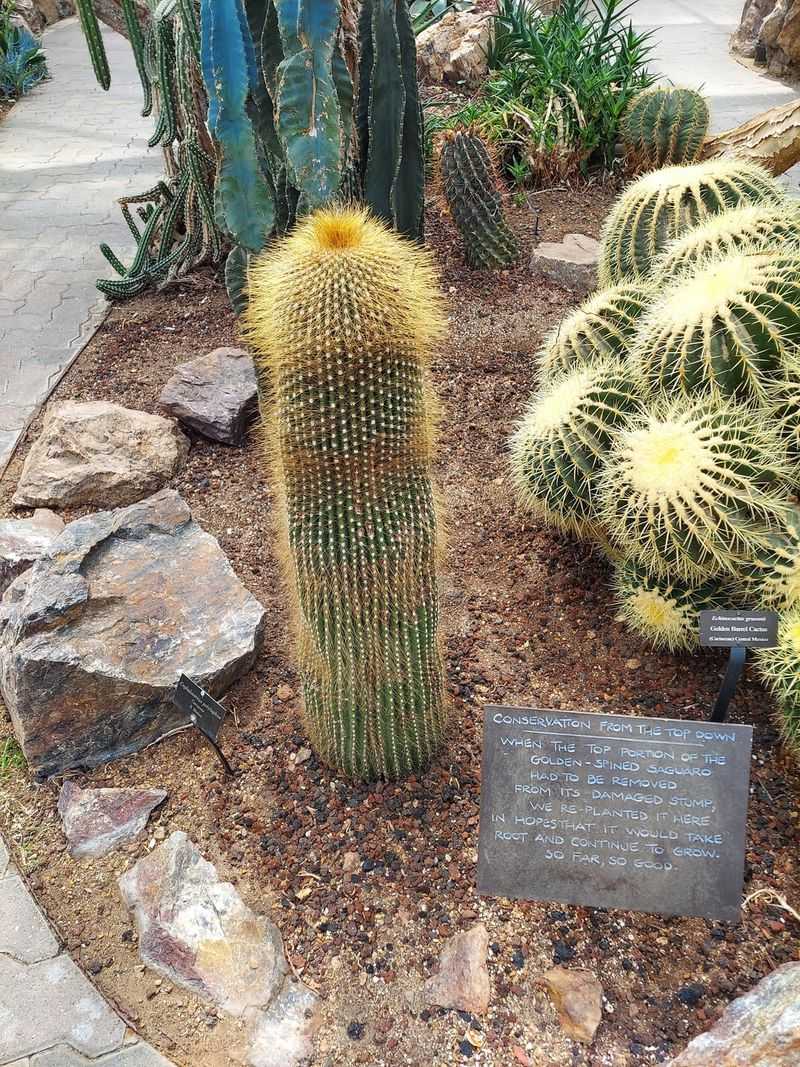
343, 315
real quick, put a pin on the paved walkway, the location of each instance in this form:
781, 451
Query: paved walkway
692, 49
50, 1014
67, 152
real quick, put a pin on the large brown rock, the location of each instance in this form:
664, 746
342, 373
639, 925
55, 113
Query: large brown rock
775, 25
99, 453
215, 394
746, 38
94, 637
463, 979
453, 50
760, 1029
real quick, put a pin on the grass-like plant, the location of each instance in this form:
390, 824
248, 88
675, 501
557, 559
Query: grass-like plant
664, 611
728, 327
661, 205
563, 439
780, 669
601, 328
695, 489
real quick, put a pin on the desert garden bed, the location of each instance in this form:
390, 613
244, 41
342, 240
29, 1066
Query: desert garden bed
367, 882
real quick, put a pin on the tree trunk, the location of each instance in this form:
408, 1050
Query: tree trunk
771, 139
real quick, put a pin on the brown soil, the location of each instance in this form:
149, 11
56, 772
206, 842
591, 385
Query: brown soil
528, 621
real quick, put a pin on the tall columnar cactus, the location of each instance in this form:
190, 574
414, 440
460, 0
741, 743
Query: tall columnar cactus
695, 489
772, 579
761, 227
471, 189
730, 327
663, 610
563, 439
780, 669
600, 328
343, 315
660, 205
665, 125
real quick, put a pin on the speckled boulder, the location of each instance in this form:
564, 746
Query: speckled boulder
94, 637
215, 395
22, 541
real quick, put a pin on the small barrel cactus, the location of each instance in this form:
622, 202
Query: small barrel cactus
471, 190
729, 327
562, 441
663, 610
692, 490
780, 669
664, 125
659, 206
772, 580
761, 227
601, 328
342, 315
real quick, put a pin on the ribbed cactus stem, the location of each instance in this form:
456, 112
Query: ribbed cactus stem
780, 669
661, 205
665, 125
696, 489
729, 327
601, 328
471, 190
342, 315
772, 579
563, 439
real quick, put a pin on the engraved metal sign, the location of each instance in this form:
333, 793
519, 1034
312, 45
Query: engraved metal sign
206, 713
738, 629
614, 811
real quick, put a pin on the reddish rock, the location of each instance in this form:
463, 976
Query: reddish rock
578, 998
760, 1029
96, 821
463, 978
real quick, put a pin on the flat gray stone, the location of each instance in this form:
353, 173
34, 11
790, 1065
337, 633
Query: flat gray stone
97, 821
23, 541
215, 394
94, 637
24, 933
571, 262
139, 1054
52, 1003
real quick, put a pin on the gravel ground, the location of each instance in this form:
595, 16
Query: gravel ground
528, 620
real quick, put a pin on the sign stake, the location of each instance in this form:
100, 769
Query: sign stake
736, 662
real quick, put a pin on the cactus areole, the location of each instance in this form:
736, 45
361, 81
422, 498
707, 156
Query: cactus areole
343, 315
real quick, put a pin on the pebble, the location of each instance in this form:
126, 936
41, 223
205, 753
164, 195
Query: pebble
284, 692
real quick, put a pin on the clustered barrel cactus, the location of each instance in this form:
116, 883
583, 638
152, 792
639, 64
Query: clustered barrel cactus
471, 190
691, 486
343, 315
664, 125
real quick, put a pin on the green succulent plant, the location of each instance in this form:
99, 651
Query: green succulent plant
780, 669
471, 190
760, 227
559, 446
342, 315
664, 611
664, 125
728, 327
772, 579
695, 489
601, 328
659, 206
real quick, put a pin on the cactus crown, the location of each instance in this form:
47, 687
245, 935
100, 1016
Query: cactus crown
728, 327
600, 328
562, 440
759, 227
665, 124
661, 205
693, 489
343, 314
471, 189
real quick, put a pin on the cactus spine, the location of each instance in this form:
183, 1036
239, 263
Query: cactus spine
780, 669
562, 441
695, 489
665, 125
760, 227
662, 610
472, 192
601, 328
772, 580
659, 206
728, 328
343, 315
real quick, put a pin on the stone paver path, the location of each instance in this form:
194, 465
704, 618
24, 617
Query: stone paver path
691, 38
67, 152
50, 1014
